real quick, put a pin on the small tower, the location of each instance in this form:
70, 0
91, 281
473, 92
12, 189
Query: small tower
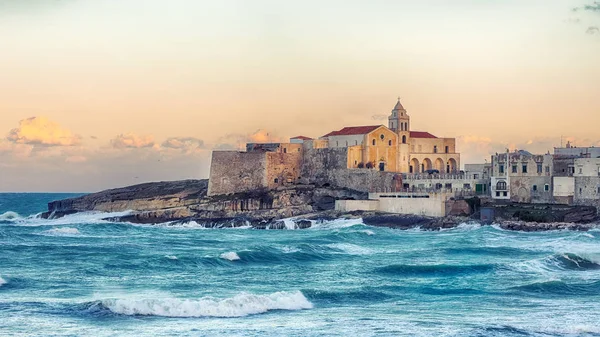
399, 121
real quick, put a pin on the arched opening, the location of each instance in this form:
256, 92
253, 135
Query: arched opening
414, 166
501, 185
404, 139
439, 165
382, 166
451, 166
426, 165
389, 142
373, 142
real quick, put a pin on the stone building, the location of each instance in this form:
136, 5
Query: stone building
396, 148
520, 176
364, 158
587, 181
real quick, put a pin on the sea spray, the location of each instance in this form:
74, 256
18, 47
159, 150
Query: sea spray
243, 304
231, 256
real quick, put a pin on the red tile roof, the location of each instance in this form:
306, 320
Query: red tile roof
421, 134
353, 130
301, 137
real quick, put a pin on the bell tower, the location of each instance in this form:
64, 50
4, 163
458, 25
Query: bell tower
399, 122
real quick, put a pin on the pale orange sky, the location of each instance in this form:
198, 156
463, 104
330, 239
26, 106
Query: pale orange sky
129, 91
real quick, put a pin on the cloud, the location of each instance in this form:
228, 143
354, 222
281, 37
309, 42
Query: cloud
132, 141
592, 30
183, 143
42, 131
238, 141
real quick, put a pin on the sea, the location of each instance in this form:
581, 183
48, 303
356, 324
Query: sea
83, 276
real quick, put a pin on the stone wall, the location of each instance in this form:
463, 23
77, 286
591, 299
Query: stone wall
586, 191
283, 168
233, 171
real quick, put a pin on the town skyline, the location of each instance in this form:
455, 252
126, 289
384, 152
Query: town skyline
86, 106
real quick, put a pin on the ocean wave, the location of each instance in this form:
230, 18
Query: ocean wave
437, 270
561, 288
367, 294
337, 224
72, 219
10, 216
171, 257
350, 249
243, 304
2, 281
571, 261
231, 256
62, 231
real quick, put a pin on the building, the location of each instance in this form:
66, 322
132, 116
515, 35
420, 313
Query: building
587, 181
363, 158
396, 148
520, 176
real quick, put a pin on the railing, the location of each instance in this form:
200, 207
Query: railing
454, 192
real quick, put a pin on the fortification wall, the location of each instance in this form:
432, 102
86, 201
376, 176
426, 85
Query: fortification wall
283, 168
234, 172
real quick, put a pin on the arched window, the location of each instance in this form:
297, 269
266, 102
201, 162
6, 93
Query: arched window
405, 126
501, 185
373, 142
389, 142
403, 139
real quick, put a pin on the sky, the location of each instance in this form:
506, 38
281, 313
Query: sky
100, 94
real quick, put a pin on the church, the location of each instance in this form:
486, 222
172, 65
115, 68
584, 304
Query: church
357, 157
396, 148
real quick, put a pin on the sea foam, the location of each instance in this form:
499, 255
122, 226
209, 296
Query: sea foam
231, 256
2, 281
10, 216
62, 231
243, 304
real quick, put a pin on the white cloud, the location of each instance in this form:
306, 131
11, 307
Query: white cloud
42, 131
131, 140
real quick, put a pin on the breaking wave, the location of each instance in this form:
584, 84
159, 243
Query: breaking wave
2, 281
10, 216
231, 256
243, 304
571, 261
62, 231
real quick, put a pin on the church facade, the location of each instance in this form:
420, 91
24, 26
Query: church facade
396, 148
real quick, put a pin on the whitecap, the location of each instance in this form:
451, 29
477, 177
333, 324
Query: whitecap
62, 231
338, 223
288, 249
368, 232
231, 256
10, 216
171, 257
350, 249
243, 304
2, 281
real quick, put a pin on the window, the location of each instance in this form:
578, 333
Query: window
389, 142
447, 149
435, 149
580, 170
382, 136
501, 169
534, 188
284, 150
546, 187
298, 149
497, 194
404, 140
373, 142
356, 142
598, 190
539, 168
355, 162
525, 168
580, 190
475, 176
276, 181
547, 169
505, 194
501, 185
514, 169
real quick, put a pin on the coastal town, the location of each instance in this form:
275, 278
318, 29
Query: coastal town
408, 171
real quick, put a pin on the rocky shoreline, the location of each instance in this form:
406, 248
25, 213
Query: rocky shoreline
297, 207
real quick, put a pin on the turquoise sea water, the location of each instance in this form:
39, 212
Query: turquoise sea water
81, 276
